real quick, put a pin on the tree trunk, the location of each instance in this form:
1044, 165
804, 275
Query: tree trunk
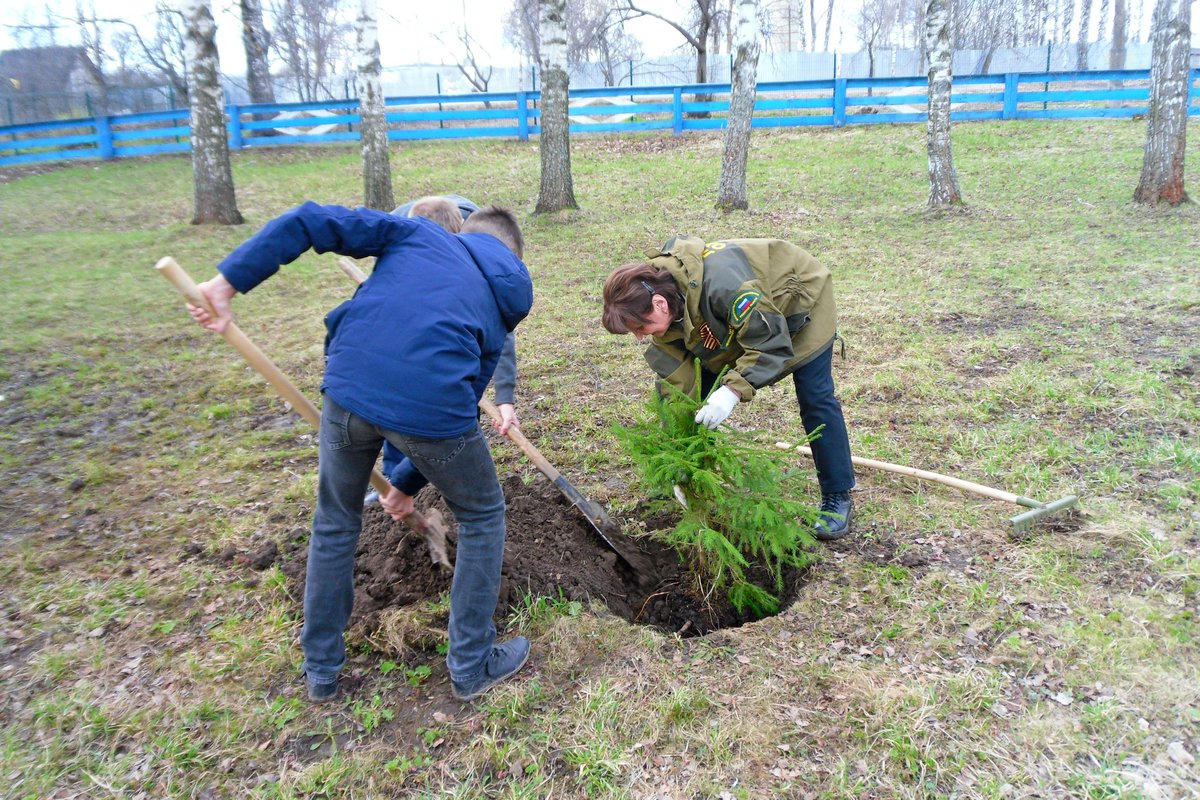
255, 41
214, 198
812, 22
828, 23
373, 127
1166, 135
731, 192
1116, 56
1085, 22
557, 190
943, 180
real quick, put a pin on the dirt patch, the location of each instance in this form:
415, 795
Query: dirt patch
550, 551
17, 172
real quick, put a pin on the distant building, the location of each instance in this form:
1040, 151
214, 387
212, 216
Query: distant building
45, 83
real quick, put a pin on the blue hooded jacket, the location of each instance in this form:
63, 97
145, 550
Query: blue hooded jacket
415, 347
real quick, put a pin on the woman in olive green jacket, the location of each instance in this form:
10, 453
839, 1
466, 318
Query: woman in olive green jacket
764, 309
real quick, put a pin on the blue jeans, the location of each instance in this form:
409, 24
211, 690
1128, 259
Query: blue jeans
461, 469
818, 406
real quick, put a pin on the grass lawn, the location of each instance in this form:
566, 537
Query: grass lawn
1045, 341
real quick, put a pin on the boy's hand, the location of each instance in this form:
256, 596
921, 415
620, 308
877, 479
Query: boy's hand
397, 504
219, 293
508, 418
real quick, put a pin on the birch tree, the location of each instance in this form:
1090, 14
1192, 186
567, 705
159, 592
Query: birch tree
557, 191
943, 180
373, 126
1116, 55
731, 191
1085, 24
1166, 135
212, 177
255, 42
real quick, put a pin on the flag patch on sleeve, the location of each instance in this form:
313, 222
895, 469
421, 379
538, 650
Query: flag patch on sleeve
743, 304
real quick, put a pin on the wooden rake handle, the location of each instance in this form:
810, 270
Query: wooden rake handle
935, 477
169, 268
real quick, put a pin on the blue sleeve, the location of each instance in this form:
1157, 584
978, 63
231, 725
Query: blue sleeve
407, 478
357, 233
505, 378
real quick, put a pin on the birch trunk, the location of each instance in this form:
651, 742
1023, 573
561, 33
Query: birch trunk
1116, 56
1085, 23
557, 191
373, 126
731, 191
1166, 135
213, 196
943, 180
255, 42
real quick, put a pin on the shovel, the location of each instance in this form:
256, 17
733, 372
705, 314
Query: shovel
596, 516
432, 528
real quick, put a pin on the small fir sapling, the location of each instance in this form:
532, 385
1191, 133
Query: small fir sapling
740, 507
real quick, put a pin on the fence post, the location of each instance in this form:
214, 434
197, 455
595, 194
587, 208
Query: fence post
523, 116
1046, 85
1010, 96
438, 77
839, 102
104, 139
235, 126
677, 112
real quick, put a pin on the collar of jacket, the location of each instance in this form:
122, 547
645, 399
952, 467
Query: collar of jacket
683, 257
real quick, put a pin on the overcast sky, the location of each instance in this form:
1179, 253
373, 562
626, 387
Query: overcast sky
414, 38
408, 39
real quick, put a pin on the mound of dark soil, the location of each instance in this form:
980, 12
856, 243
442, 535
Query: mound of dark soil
550, 550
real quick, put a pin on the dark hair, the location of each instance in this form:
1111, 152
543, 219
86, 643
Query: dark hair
628, 294
442, 210
499, 222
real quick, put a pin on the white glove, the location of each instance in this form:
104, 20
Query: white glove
719, 406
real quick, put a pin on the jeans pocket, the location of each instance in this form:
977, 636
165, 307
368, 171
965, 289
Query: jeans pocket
335, 425
436, 451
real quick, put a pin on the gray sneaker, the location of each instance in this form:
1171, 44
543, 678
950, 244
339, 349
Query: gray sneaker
372, 499
505, 661
836, 508
322, 692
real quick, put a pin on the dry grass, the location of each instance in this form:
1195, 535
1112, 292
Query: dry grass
1045, 342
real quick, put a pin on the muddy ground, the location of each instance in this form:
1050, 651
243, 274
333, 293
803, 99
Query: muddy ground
550, 550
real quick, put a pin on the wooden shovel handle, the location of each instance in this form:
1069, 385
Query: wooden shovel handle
169, 268
518, 438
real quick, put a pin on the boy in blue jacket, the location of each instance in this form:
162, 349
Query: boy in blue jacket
451, 211
407, 359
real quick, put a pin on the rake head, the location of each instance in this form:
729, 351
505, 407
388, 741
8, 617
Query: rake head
1024, 521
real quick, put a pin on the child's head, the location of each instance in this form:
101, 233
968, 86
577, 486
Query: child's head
441, 210
499, 222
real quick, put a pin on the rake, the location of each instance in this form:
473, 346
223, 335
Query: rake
1021, 523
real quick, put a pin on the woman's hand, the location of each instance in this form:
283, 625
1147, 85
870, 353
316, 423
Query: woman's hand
719, 406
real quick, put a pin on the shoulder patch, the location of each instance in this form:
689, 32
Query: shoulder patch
743, 304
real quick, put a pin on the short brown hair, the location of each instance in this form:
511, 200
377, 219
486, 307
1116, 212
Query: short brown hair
629, 292
441, 210
499, 222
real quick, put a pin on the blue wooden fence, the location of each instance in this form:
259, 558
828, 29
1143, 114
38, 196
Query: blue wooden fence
677, 108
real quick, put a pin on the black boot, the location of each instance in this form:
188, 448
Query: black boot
835, 513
